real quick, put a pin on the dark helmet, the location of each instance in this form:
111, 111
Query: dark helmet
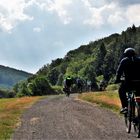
129, 52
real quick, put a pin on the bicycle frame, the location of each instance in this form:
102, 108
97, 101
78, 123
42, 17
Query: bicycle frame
67, 91
132, 117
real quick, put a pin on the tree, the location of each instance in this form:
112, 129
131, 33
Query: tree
40, 86
133, 28
56, 62
53, 76
21, 89
60, 79
91, 76
108, 66
101, 52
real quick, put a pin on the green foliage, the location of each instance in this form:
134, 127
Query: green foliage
100, 55
41, 86
35, 86
60, 79
7, 93
21, 89
97, 58
95, 62
53, 76
58, 89
112, 87
100, 78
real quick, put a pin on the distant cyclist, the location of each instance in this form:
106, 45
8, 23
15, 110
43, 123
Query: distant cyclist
79, 84
67, 85
129, 67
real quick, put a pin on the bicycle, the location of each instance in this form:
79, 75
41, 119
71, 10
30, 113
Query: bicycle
132, 117
67, 91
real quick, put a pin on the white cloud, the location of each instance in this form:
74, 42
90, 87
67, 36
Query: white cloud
125, 15
133, 14
58, 7
37, 29
95, 3
11, 12
58, 26
112, 14
100, 16
97, 14
4, 24
116, 18
96, 19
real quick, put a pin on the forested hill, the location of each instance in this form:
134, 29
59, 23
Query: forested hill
10, 76
95, 61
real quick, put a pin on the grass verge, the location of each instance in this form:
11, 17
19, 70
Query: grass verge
10, 112
107, 99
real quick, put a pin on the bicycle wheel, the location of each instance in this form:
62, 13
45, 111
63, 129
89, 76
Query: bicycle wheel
136, 120
128, 117
68, 92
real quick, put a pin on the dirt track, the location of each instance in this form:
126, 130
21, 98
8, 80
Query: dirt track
63, 118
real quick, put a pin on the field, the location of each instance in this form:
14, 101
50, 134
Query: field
10, 112
108, 99
11, 109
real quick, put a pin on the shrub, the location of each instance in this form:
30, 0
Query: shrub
58, 89
40, 86
7, 93
112, 87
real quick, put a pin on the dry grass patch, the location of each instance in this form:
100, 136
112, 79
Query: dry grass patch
107, 99
10, 112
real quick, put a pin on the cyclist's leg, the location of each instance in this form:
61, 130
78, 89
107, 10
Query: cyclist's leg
69, 90
66, 90
122, 95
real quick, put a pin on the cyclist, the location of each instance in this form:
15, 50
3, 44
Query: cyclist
129, 67
79, 84
67, 84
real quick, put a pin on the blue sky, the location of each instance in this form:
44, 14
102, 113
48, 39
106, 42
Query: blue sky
35, 32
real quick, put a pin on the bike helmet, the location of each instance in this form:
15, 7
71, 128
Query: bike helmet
68, 77
129, 52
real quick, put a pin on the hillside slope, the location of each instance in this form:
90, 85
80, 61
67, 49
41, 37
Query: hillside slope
95, 61
10, 76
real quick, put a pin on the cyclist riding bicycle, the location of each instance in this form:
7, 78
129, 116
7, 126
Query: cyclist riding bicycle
129, 67
67, 84
79, 84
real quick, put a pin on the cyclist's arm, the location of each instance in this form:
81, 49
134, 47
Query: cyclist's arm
119, 72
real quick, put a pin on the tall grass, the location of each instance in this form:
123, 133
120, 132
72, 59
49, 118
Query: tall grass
10, 112
108, 99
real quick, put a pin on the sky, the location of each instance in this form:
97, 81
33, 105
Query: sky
35, 32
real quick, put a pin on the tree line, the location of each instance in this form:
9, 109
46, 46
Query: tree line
96, 61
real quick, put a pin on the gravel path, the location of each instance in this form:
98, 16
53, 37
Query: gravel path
65, 118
